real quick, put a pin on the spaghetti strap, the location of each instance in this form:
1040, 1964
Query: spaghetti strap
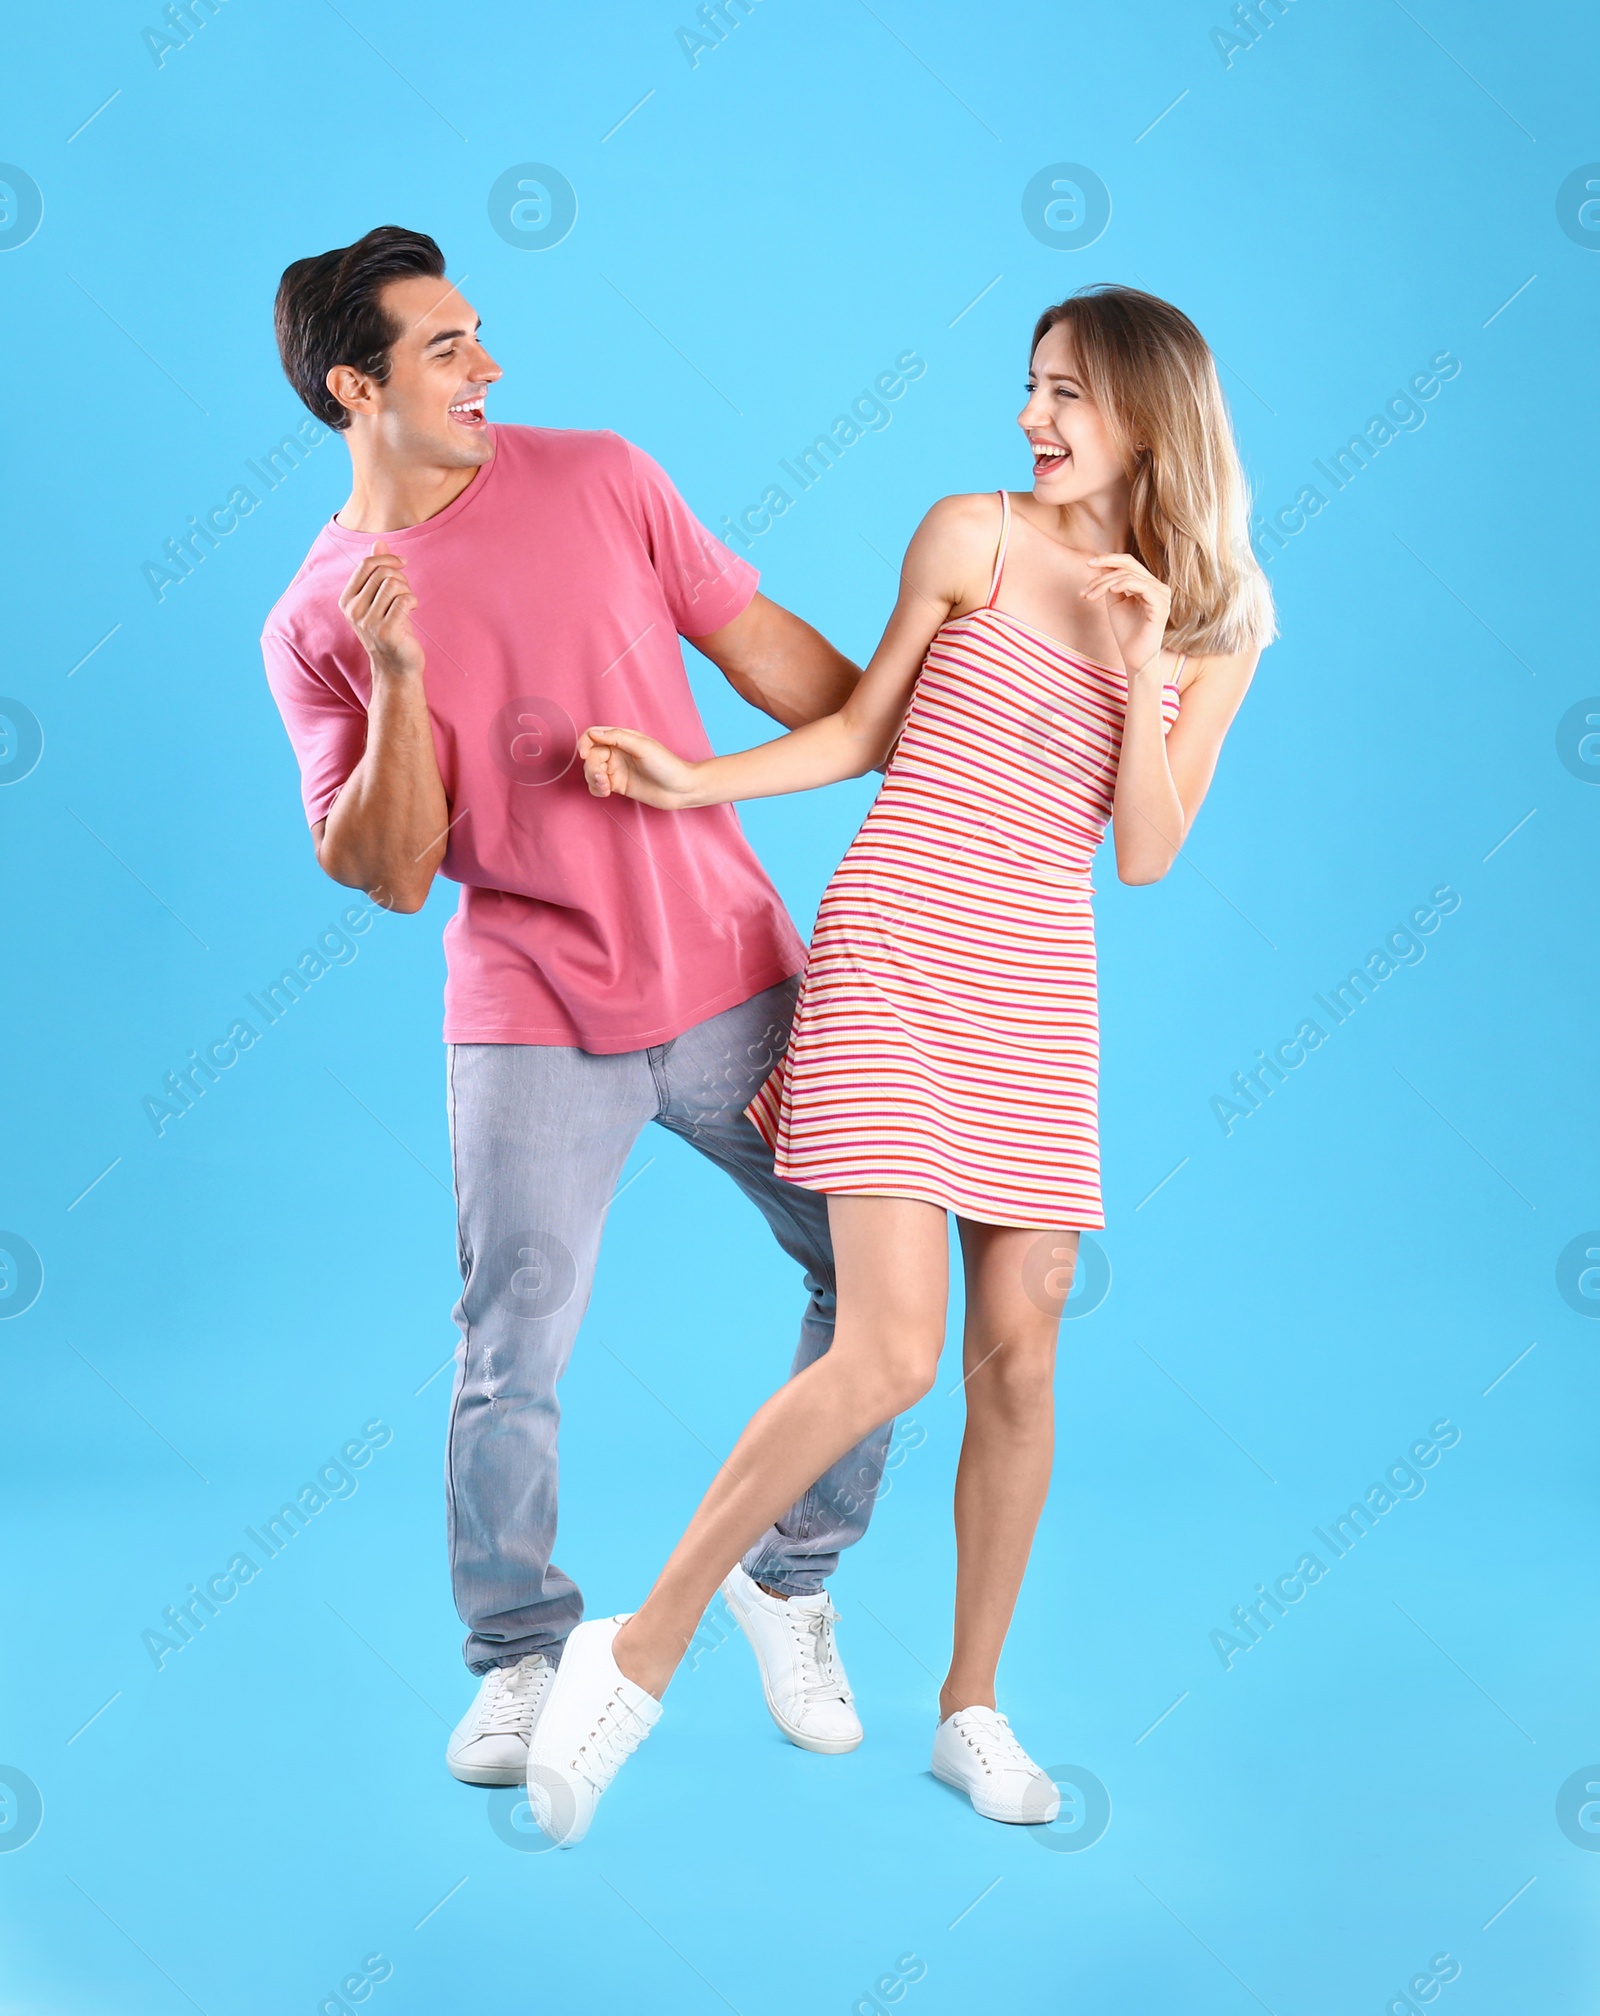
1000, 550
1177, 670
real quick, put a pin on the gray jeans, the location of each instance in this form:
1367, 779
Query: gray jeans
539, 1135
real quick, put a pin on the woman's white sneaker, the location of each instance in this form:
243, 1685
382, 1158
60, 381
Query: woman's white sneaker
489, 1745
802, 1675
975, 1751
593, 1721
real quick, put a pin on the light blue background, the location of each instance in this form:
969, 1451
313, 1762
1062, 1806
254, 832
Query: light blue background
833, 185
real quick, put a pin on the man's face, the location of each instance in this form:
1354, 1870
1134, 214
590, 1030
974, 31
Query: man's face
431, 410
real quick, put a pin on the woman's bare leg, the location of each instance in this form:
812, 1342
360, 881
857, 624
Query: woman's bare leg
891, 1258
1017, 1283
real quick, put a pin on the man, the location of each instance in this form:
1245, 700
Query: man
485, 593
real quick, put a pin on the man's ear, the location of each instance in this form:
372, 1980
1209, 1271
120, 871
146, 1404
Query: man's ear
353, 389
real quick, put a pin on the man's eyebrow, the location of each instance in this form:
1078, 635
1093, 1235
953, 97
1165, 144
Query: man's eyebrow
448, 335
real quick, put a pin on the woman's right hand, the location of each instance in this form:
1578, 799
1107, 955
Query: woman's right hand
622, 763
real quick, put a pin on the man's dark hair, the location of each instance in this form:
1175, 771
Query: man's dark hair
328, 311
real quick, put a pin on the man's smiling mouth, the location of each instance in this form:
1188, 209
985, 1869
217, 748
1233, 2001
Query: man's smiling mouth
469, 412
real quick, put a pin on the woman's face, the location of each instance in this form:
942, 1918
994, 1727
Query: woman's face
1075, 452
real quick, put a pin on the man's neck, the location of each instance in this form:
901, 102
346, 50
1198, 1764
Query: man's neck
387, 497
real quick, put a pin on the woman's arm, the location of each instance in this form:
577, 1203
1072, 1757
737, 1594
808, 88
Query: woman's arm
935, 579
1161, 779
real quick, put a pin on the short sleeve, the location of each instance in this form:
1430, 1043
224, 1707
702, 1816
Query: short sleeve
706, 584
326, 722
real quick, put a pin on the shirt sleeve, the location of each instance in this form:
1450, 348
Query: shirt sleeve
706, 584
327, 724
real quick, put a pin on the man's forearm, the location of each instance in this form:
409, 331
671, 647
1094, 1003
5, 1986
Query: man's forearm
388, 828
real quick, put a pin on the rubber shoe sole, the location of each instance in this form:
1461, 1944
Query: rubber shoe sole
1041, 1819
472, 1774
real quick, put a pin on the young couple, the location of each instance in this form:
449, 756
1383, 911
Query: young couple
1058, 658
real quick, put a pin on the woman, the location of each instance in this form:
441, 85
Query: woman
1055, 659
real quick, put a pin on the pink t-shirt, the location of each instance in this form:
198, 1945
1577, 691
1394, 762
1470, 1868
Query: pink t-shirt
551, 594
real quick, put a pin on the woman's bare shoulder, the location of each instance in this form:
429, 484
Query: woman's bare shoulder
954, 546
1225, 674
971, 514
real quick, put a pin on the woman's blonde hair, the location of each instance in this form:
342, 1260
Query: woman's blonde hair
1152, 374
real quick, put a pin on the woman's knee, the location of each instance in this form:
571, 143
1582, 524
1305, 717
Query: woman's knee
897, 1373
1017, 1377
910, 1382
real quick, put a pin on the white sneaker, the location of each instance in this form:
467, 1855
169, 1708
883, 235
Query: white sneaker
801, 1673
975, 1751
489, 1745
592, 1723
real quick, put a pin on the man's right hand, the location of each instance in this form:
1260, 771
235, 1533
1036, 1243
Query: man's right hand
378, 603
387, 830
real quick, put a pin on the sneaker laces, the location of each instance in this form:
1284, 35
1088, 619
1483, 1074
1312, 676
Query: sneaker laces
618, 1731
513, 1697
998, 1748
822, 1677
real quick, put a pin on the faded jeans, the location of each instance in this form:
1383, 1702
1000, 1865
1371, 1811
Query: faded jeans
539, 1136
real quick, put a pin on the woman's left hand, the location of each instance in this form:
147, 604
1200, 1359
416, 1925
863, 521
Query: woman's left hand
1137, 604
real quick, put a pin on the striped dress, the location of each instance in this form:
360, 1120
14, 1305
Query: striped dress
946, 1042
